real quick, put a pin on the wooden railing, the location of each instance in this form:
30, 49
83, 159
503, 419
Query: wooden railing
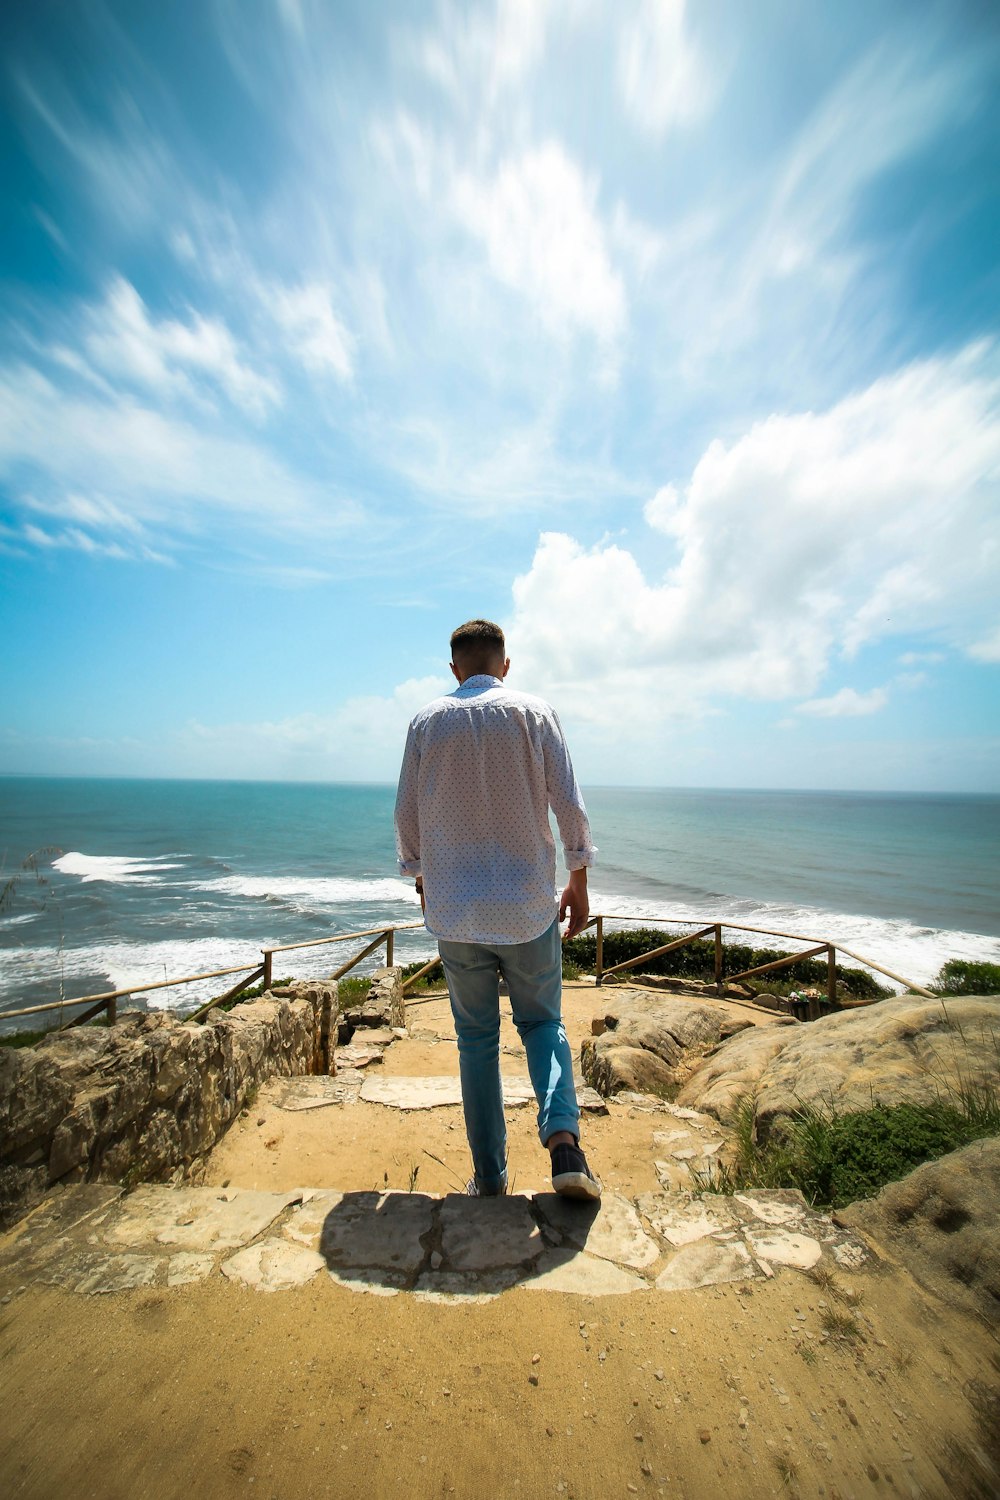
262, 970
714, 929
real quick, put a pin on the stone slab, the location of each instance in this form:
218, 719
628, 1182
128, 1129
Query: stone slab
377, 1232
436, 1092
785, 1247
775, 1206
315, 1092
586, 1275
464, 1286
486, 1234
706, 1263
200, 1219
611, 1230
681, 1220
273, 1265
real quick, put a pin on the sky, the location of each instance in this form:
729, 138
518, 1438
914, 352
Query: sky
663, 333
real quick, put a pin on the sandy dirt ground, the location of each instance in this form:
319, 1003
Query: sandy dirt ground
215, 1390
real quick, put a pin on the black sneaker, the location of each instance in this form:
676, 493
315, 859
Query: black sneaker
571, 1177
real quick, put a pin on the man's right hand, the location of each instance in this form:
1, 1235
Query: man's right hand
576, 902
419, 885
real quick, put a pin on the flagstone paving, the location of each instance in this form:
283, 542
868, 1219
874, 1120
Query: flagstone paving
95, 1239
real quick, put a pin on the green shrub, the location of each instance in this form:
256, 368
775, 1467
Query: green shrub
961, 977
696, 960
835, 1159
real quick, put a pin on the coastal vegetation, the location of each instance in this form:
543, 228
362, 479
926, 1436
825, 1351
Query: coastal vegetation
835, 1159
960, 976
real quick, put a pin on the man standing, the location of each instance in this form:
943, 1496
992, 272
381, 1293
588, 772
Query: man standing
481, 769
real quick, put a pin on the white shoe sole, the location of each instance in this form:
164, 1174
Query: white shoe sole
577, 1185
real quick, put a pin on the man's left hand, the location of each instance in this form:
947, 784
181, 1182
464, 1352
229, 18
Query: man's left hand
576, 902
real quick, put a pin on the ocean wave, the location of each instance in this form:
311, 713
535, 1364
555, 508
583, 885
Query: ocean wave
915, 951
115, 868
322, 890
128, 964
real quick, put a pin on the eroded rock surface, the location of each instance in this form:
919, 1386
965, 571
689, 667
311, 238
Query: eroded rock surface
152, 1093
943, 1222
652, 1043
904, 1050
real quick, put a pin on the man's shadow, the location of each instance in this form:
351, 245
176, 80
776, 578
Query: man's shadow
455, 1245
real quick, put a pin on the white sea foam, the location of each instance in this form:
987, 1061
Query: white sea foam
115, 868
323, 890
124, 965
913, 951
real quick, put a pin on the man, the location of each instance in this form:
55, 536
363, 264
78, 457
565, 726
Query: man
481, 769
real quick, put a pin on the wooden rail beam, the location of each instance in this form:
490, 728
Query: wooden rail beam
237, 989
690, 937
779, 963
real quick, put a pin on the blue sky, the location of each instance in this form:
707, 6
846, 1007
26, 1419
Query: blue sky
663, 333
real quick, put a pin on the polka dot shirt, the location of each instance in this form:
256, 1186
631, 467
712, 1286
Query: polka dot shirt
481, 769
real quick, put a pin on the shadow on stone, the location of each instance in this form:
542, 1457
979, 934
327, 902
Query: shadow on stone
454, 1247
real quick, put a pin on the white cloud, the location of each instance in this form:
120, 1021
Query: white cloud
125, 342
988, 648
662, 77
846, 704
537, 218
317, 336
811, 536
170, 475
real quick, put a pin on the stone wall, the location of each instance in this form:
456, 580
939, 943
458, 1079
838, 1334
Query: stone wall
138, 1100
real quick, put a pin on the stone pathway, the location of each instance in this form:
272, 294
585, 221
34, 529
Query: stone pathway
405, 1093
97, 1239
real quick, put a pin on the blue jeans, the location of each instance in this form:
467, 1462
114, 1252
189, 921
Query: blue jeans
533, 972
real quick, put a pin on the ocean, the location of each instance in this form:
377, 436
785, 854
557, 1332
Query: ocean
157, 879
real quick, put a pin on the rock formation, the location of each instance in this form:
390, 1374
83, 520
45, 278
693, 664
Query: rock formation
651, 1043
943, 1223
139, 1099
907, 1049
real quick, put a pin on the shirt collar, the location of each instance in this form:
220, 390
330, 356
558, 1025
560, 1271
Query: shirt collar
479, 683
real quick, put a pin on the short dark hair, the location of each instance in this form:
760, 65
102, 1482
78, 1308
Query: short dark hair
477, 643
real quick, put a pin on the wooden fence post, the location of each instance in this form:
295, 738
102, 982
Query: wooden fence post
389, 946
600, 950
267, 968
831, 976
112, 1010
718, 956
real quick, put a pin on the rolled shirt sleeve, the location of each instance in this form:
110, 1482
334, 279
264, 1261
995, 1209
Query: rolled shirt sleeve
566, 800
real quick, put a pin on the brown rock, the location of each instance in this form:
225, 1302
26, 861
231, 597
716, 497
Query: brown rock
943, 1222
907, 1049
651, 1043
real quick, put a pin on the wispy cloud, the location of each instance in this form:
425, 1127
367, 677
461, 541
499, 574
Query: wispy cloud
847, 703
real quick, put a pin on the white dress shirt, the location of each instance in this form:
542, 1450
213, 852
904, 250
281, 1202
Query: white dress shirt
481, 769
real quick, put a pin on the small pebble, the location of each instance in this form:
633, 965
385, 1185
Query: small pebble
536, 1359
646, 1467
632, 1489
445, 1391
658, 1374
673, 1330
705, 1435
532, 1379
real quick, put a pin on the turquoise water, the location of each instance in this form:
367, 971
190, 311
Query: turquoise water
165, 878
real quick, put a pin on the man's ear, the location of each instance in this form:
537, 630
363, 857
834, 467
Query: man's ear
506, 668
455, 672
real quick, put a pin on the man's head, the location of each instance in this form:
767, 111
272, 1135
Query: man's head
478, 647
